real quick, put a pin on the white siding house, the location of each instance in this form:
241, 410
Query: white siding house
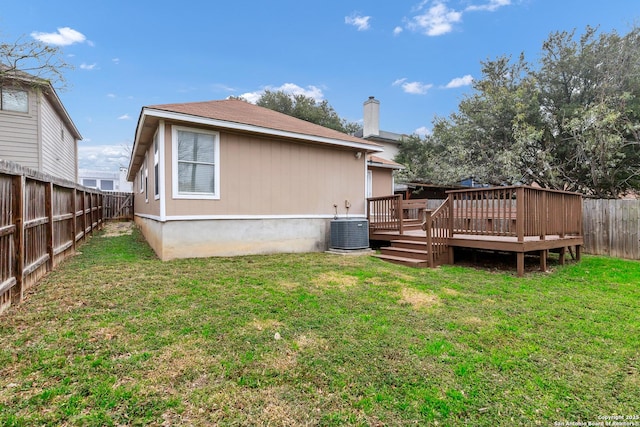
35, 128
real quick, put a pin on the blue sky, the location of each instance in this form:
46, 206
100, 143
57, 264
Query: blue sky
417, 57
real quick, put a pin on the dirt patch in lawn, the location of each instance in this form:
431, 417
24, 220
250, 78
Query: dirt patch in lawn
115, 229
418, 299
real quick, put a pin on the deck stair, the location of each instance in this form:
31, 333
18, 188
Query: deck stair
406, 252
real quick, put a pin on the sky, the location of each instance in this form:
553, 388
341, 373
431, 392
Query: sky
418, 58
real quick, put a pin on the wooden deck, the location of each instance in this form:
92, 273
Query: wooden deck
505, 219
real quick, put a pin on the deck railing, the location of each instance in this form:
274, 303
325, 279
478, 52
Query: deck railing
437, 225
382, 213
390, 213
520, 212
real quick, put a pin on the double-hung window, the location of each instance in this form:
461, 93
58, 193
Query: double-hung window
196, 168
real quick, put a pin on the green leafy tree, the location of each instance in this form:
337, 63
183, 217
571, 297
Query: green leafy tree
570, 122
590, 89
306, 108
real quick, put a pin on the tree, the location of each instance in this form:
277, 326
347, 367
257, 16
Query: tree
591, 96
32, 60
478, 140
570, 122
306, 108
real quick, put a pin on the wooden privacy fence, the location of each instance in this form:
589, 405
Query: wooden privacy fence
118, 206
612, 227
42, 219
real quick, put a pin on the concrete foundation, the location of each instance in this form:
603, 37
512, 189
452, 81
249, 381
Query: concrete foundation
229, 237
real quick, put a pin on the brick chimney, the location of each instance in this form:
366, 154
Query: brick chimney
371, 126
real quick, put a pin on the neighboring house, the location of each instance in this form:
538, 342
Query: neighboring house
228, 177
105, 180
381, 165
35, 129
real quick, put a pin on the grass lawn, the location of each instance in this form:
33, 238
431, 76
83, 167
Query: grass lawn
117, 337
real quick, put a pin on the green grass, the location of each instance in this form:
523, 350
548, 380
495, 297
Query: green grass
116, 337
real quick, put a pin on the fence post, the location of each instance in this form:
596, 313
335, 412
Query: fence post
48, 207
74, 211
18, 244
84, 215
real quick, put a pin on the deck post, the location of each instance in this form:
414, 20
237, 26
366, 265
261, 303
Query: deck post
561, 256
543, 260
520, 215
520, 263
427, 227
544, 216
399, 213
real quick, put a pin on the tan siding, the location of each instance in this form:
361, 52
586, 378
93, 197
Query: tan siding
382, 182
260, 176
19, 135
142, 205
58, 144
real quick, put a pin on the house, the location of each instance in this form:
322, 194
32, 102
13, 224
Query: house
227, 177
380, 165
35, 128
105, 180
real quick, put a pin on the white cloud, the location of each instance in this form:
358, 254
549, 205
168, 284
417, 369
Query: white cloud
436, 21
397, 30
422, 131
89, 67
116, 61
439, 19
360, 22
64, 37
124, 117
103, 157
414, 88
290, 88
492, 6
460, 81
111, 95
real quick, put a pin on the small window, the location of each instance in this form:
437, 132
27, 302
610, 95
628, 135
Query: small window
90, 183
106, 185
196, 154
14, 100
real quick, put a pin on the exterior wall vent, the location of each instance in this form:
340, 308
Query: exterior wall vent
349, 233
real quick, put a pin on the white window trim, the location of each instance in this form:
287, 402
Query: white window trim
146, 179
156, 166
174, 165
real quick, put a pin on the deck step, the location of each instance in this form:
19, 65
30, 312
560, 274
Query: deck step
411, 262
421, 254
410, 244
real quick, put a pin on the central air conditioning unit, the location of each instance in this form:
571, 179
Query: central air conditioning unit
349, 233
